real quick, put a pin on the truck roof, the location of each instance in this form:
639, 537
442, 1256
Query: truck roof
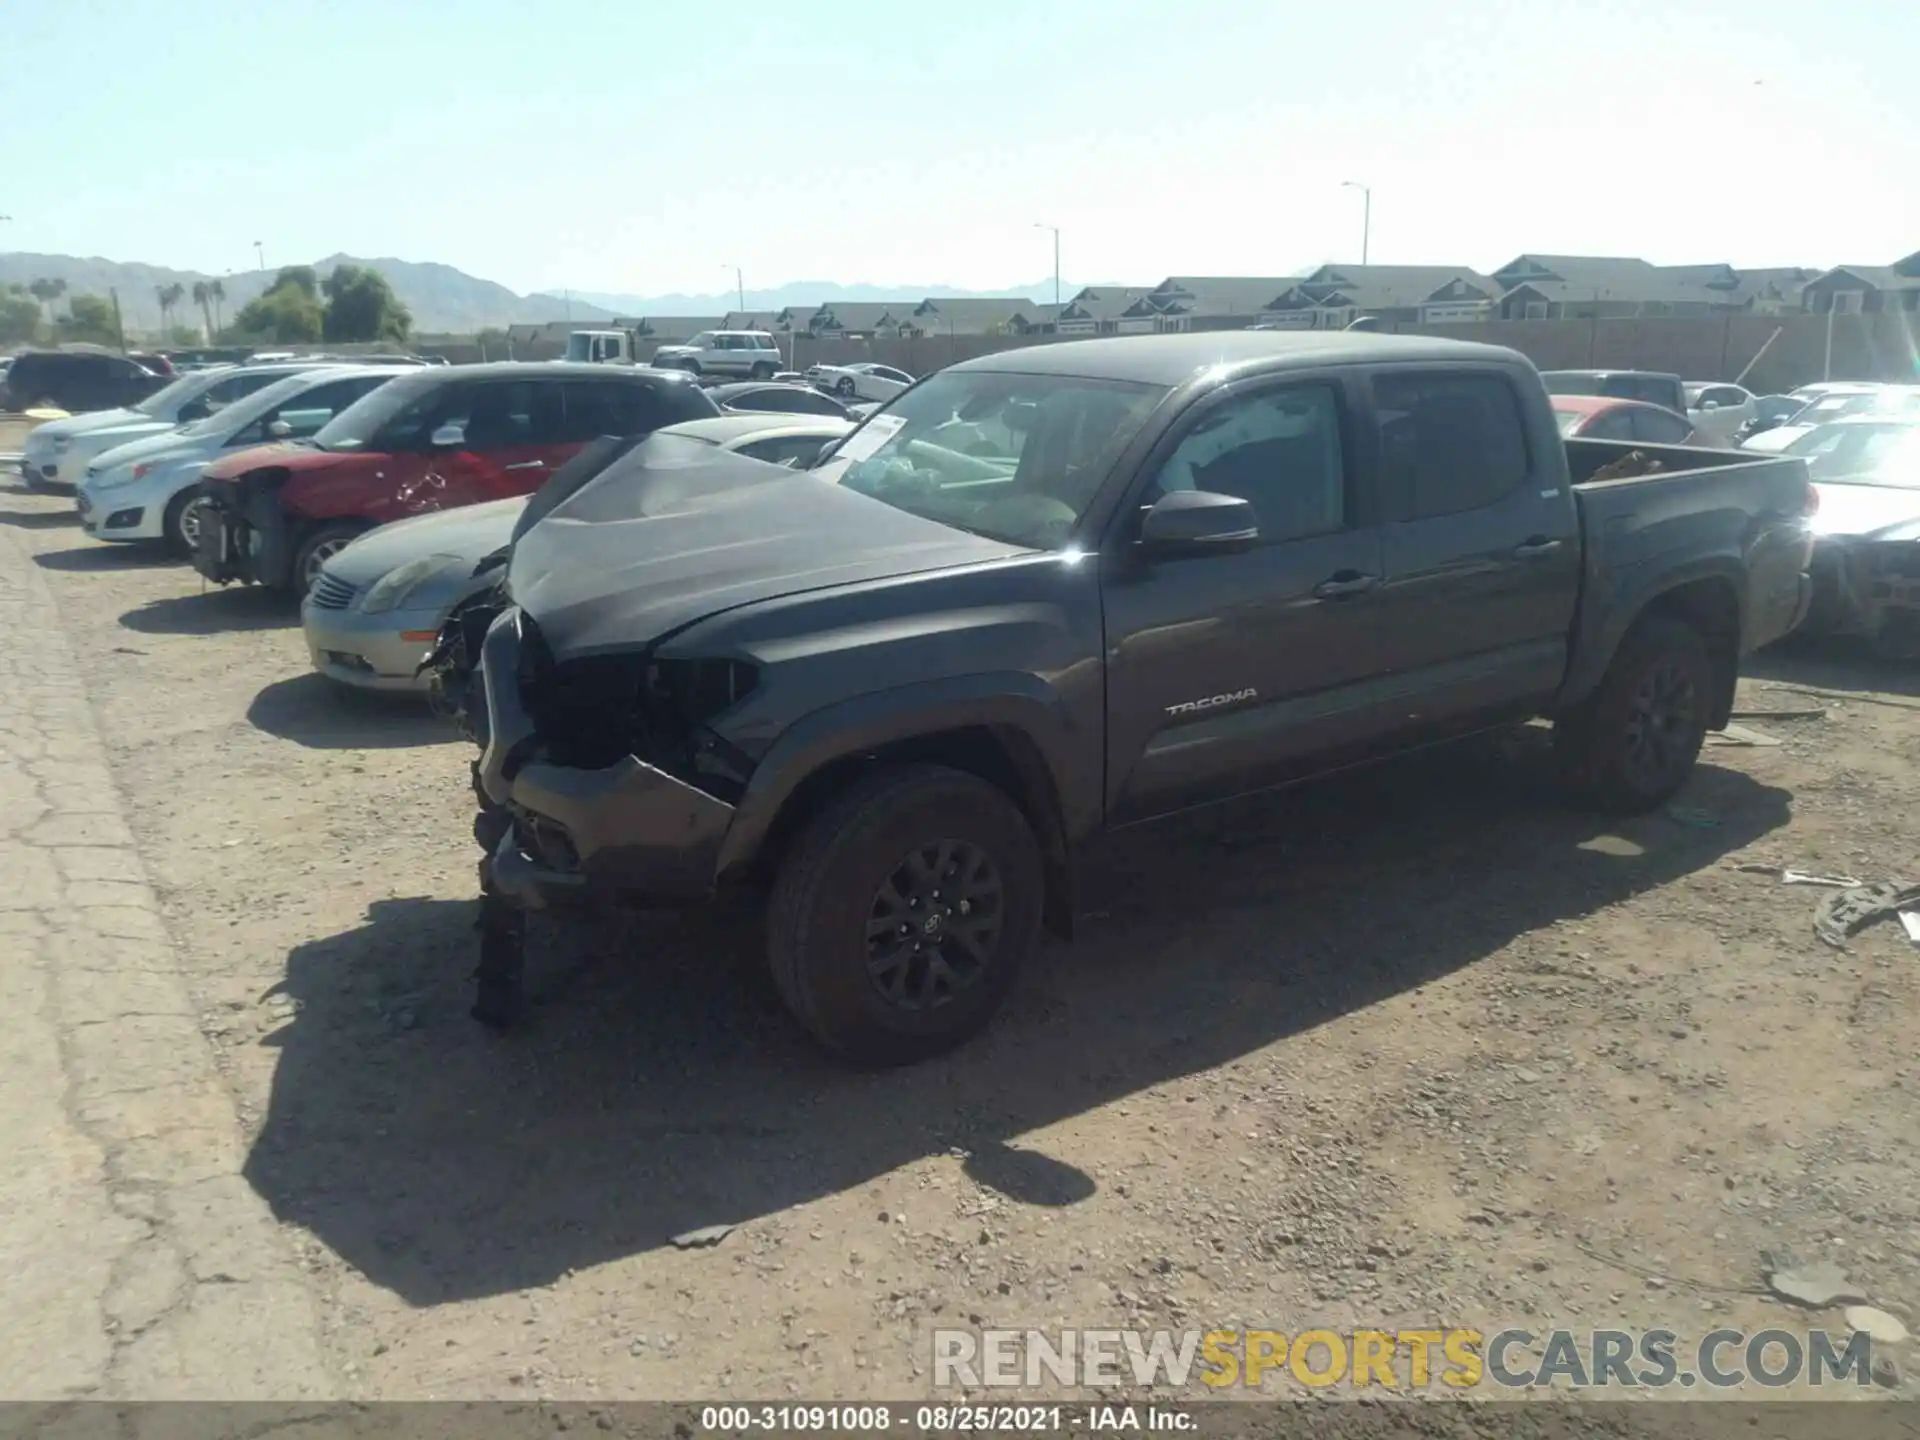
1171, 359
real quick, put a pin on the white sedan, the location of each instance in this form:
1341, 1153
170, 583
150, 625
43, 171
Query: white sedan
863, 380
145, 490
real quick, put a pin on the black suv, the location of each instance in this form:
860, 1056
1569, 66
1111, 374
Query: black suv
76, 381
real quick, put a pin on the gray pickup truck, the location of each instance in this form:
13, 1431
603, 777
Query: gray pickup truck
1064, 589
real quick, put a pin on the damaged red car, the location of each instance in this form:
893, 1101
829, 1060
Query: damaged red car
428, 441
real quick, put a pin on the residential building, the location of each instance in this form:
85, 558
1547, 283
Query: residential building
1109, 310
1865, 289
1185, 298
856, 319
965, 315
1335, 295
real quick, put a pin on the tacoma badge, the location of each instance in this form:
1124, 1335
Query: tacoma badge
1213, 702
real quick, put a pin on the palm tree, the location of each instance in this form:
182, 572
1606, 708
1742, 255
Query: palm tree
46, 292
203, 297
170, 298
217, 293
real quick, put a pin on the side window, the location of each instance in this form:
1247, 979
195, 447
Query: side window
1660, 427
1279, 450
799, 451
1450, 442
1611, 425
500, 415
307, 412
608, 407
704, 340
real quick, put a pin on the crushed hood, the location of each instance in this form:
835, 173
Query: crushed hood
675, 531
468, 531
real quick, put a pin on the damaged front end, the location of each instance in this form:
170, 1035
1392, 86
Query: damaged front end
243, 534
1869, 589
597, 778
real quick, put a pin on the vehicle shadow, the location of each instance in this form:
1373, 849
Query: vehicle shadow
1829, 663
214, 612
661, 1087
311, 711
95, 557
38, 519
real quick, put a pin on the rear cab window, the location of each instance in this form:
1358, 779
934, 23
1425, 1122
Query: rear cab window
1451, 441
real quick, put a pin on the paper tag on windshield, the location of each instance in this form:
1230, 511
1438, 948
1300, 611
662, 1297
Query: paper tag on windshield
870, 437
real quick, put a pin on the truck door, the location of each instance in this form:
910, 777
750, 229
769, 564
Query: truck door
1226, 673
1482, 548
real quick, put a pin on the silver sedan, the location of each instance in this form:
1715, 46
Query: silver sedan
378, 605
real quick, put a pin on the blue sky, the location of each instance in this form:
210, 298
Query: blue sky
641, 146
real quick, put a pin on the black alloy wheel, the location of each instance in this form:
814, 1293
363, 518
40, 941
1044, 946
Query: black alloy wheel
934, 925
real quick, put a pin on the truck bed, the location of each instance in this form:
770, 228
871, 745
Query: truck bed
1740, 519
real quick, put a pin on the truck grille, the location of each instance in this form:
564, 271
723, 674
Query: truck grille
330, 592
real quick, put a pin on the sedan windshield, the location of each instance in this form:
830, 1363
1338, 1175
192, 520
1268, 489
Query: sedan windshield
1017, 458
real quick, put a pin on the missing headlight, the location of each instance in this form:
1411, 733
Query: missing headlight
697, 690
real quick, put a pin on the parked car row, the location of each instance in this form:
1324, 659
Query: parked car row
893, 690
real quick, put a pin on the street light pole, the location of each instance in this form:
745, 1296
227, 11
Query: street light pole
1366, 214
739, 286
260, 252
1039, 225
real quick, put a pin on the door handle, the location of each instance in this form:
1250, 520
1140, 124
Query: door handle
1534, 548
1346, 582
528, 465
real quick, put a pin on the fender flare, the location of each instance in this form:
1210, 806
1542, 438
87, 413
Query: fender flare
1627, 606
849, 727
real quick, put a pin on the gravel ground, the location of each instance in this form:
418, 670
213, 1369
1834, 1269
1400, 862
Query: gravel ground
1416, 1047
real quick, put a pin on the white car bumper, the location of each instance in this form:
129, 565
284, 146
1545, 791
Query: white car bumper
136, 510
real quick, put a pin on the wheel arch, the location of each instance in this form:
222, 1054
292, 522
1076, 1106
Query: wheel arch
1706, 597
1017, 743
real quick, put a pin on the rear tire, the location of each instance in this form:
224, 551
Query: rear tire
902, 913
317, 549
844, 385
1632, 745
762, 371
692, 367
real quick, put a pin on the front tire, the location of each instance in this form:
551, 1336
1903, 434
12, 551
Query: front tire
1633, 744
318, 548
844, 385
762, 371
180, 529
903, 912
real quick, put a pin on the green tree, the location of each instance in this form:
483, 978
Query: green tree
46, 292
361, 306
203, 297
181, 337
19, 316
217, 293
289, 312
89, 318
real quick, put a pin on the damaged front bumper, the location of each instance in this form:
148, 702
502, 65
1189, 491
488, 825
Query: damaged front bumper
243, 536
559, 834
1870, 589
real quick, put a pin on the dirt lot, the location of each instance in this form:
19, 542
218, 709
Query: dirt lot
1417, 1047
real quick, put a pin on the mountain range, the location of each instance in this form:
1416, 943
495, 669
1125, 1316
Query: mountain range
445, 300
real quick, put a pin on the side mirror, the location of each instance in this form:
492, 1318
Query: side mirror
450, 436
279, 430
1198, 522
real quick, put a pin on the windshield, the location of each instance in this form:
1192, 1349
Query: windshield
168, 398
382, 419
1694, 392
1017, 458
1568, 420
230, 419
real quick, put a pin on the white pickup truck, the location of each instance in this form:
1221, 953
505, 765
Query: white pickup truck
749, 354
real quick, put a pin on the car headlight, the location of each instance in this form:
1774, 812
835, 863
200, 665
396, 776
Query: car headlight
397, 586
119, 475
